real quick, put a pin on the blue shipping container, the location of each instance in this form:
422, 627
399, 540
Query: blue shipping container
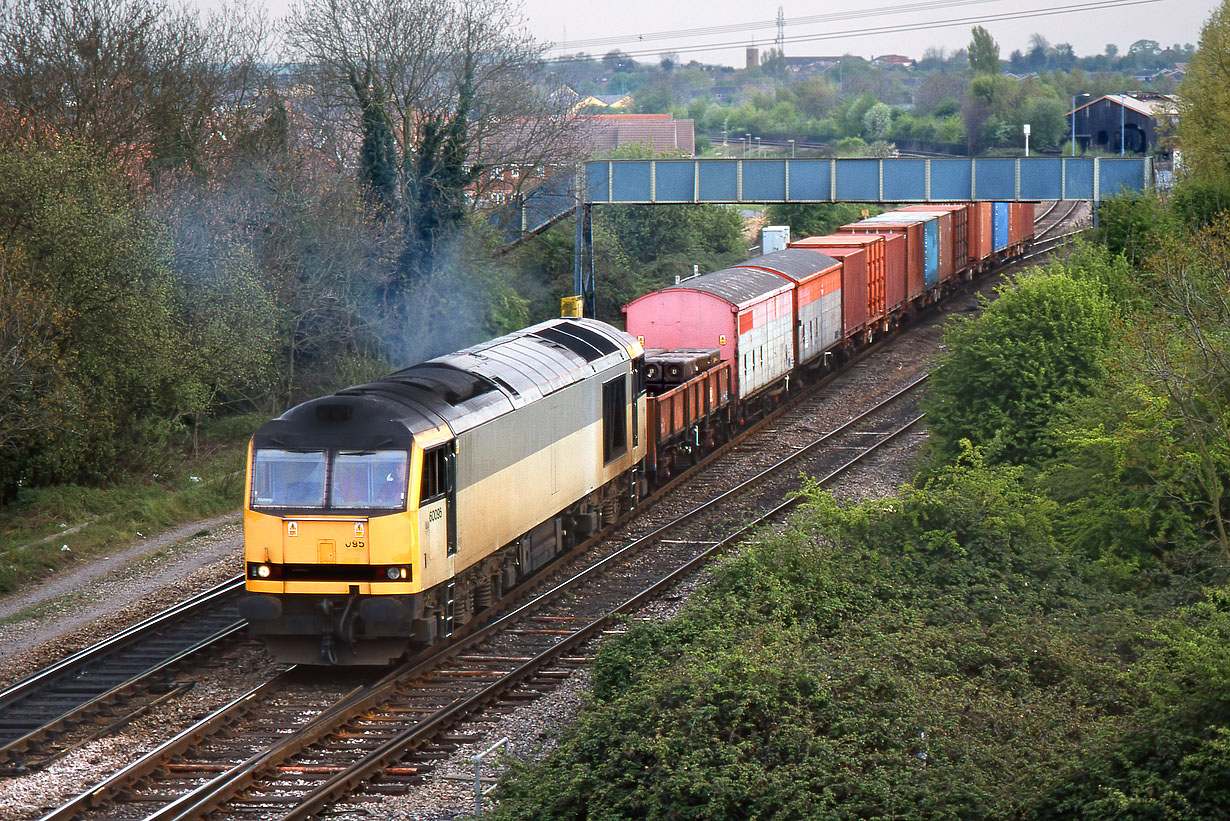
999, 226
931, 252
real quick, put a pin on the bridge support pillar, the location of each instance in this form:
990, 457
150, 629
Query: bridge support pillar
583, 258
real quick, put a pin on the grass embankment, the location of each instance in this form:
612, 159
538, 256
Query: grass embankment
47, 529
938, 654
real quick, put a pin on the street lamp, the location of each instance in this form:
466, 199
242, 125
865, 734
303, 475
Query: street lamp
791, 147
1074, 96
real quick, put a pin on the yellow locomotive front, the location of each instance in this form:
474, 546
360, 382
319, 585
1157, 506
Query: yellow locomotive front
332, 535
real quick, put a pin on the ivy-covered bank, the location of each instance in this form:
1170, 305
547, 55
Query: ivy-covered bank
936, 654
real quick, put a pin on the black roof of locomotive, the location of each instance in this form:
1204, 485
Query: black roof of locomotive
460, 390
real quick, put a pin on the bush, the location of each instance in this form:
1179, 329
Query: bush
92, 259
899, 657
1006, 371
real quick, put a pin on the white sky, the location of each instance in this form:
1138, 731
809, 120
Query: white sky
1122, 22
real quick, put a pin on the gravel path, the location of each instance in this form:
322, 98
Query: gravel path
86, 602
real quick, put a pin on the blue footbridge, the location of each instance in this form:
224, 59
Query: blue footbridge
812, 180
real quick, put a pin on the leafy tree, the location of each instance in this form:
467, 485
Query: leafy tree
1133, 224
1039, 52
877, 122
1187, 362
37, 395
1204, 99
1197, 202
1005, 371
664, 243
117, 362
983, 52
1047, 118
816, 96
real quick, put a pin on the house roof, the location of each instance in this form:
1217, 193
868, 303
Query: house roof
1153, 105
664, 134
605, 101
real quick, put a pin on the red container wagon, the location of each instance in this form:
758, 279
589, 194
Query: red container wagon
886, 285
949, 263
959, 217
981, 227
1020, 226
746, 313
896, 286
915, 247
817, 299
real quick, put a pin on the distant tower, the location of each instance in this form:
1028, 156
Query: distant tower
753, 56
781, 31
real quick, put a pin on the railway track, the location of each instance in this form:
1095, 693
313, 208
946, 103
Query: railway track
102, 688
297, 745
1057, 214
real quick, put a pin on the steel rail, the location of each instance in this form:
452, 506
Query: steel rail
88, 682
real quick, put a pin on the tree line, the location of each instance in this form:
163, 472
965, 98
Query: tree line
973, 100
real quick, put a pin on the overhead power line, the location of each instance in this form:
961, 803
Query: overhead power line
761, 25
887, 29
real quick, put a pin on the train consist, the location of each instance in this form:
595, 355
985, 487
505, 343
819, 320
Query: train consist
385, 515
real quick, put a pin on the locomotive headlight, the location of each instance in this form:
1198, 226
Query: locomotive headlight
395, 573
263, 571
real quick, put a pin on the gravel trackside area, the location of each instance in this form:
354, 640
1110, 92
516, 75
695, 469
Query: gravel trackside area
88, 601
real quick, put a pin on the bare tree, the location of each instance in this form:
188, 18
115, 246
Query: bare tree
442, 102
147, 82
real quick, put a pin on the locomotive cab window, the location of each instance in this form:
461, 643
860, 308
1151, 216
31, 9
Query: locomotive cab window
437, 474
369, 479
288, 478
614, 419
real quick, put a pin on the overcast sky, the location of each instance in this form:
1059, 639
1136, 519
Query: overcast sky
638, 26
567, 22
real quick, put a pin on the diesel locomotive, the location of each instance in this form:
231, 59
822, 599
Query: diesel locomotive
387, 514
